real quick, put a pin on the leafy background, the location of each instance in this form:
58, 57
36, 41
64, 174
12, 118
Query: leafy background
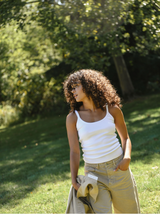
40, 47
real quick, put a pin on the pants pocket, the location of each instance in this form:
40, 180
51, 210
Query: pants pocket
90, 168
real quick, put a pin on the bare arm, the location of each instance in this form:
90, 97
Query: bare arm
123, 133
74, 147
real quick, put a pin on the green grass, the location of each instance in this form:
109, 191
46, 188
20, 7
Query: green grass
34, 161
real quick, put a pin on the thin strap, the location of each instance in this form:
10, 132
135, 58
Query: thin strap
106, 109
77, 113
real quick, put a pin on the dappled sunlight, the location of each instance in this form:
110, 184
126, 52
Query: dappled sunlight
34, 154
138, 116
142, 121
146, 173
142, 124
35, 163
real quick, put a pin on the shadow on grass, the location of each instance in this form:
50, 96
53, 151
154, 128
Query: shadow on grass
37, 152
31, 155
141, 104
143, 121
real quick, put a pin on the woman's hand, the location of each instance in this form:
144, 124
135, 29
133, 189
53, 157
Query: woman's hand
123, 165
76, 186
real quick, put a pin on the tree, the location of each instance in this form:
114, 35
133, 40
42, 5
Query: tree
108, 18
104, 20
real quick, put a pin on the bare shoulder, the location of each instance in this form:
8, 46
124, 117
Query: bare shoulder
115, 111
71, 118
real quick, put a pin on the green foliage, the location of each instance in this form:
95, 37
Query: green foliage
35, 95
8, 9
47, 35
8, 114
24, 58
32, 96
86, 52
136, 21
28, 93
86, 17
119, 22
141, 27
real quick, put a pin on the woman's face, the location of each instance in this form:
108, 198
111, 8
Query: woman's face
78, 92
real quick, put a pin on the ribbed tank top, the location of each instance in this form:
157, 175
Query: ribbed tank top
98, 139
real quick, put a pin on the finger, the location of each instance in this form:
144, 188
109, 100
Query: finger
116, 168
78, 186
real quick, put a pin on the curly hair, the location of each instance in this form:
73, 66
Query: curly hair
96, 87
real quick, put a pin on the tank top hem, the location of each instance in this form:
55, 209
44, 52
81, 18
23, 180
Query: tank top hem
106, 158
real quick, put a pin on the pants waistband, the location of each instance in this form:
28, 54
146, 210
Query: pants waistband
115, 160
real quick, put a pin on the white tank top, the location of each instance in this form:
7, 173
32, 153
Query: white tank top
98, 139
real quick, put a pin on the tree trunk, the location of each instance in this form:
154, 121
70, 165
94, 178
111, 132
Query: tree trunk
124, 77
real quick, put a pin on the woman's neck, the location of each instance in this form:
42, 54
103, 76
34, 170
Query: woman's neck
89, 105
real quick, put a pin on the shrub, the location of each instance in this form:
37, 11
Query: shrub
8, 114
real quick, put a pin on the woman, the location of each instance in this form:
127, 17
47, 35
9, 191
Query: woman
95, 114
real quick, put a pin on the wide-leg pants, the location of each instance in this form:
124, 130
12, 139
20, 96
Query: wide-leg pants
117, 187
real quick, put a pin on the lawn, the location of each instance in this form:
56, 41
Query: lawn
34, 160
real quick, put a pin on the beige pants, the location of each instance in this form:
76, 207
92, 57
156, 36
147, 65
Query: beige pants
117, 187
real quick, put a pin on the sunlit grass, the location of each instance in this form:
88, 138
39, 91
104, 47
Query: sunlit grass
34, 161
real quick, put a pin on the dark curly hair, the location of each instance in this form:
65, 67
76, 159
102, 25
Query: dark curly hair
96, 87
